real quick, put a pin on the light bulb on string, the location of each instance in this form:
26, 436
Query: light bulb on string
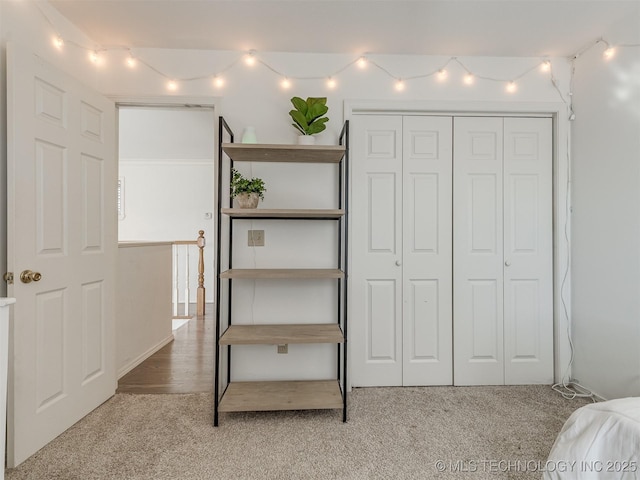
442, 74
331, 83
609, 53
511, 87
285, 83
399, 86
468, 78
545, 66
218, 81
362, 62
58, 42
172, 85
94, 56
131, 61
250, 59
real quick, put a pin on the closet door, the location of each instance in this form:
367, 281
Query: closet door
528, 251
426, 266
503, 313
376, 244
401, 250
478, 252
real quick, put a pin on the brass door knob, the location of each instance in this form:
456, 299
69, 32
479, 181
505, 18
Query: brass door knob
28, 276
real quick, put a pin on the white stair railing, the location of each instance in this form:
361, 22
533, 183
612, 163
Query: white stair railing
182, 249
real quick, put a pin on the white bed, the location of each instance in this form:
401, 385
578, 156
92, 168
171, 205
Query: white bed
598, 441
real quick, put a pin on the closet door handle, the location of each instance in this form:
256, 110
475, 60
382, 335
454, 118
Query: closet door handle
398, 263
507, 263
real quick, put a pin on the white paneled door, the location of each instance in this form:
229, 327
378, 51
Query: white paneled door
376, 243
451, 279
503, 311
62, 175
401, 247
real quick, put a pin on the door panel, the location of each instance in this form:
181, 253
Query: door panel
62, 175
382, 213
528, 249
423, 329
426, 265
93, 328
50, 367
376, 280
50, 194
478, 251
381, 320
93, 211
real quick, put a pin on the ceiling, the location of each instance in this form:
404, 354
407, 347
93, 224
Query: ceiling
424, 27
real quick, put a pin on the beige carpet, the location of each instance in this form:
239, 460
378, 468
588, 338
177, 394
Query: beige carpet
392, 433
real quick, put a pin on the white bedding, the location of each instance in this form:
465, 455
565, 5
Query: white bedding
598, 441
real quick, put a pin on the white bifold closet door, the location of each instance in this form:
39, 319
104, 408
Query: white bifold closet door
502, 251
401, 251
451, 279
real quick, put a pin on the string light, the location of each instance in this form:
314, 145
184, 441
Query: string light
218, 81
250, 59
58, 42
361, 62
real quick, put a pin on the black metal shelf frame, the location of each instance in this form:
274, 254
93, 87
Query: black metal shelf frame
224, 131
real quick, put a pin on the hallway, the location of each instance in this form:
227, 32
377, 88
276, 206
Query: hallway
183, 366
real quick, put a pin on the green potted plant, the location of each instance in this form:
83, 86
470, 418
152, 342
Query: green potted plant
308, 117
247, 191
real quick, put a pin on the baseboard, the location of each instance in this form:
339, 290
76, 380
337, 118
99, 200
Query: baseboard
585, 391
143, 356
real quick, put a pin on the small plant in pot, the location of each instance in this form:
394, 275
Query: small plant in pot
308, 117
247, 191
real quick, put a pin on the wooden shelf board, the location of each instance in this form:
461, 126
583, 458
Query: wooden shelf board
282, 334
243, 152
283, 273
291, 395
282, 213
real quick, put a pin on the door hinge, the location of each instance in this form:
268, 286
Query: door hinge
8, 277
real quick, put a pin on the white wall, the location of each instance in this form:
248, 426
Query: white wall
143, 303
606, 217
252, 96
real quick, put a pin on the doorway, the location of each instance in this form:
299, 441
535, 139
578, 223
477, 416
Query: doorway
166, 178
166, 195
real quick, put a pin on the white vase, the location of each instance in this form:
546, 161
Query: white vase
249, 135
306, 140
247, 200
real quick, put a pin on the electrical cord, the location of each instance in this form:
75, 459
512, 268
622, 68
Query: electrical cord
567, 388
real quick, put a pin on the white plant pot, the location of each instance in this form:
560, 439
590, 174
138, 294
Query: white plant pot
248, 200
306, 140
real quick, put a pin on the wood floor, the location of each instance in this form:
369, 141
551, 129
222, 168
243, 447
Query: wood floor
183, 366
